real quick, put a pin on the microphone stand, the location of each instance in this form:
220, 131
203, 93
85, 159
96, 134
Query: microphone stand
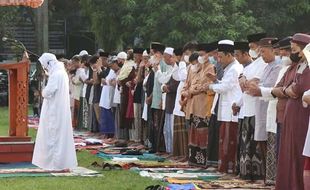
39, 69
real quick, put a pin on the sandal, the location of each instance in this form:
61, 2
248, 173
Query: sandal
107, 166
117, 167
95, 164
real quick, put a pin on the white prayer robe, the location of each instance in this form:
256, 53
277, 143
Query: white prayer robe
179, 74
229, 90
107, 92
54, 146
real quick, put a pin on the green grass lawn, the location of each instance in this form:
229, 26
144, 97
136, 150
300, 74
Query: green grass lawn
110, 180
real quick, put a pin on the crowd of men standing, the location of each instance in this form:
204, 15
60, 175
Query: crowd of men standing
242, 106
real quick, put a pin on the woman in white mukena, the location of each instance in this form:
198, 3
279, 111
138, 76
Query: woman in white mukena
54, 146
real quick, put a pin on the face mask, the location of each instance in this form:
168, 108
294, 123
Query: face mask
253, 54
201, 59
194, 68
286, 61
212, 60
119, 65
186, 58
295, 57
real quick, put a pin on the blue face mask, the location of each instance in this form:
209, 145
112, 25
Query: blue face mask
212, 60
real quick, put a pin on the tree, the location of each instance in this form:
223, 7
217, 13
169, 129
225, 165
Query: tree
282, 17
120, 23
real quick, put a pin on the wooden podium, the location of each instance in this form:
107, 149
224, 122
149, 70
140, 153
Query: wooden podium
17, 147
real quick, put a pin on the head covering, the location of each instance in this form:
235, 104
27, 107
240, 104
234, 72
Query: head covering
256, 37
157, 46
301, 39
138, 50
178, 51
243, 46
48, 61
122, 55
99, 51
275, 43
112, 59
83, 52
266, 42
104, 54
226, 46
207, 47
285, 43
193, 57
148, 50
169, 50
145, 54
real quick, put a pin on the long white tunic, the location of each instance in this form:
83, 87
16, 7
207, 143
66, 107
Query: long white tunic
107, 92
229, 90
179, 74
254, 71
54, 146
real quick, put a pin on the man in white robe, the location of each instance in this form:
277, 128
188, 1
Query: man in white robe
54, 146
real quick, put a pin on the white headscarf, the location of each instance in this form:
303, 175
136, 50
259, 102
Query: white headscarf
49, 62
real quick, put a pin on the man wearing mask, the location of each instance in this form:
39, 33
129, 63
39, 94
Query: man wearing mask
296, 121
107, 123
252, 72
100, 72
180, 134
157, 101
170, 88
137, 95
253, 40
261, 134
125, 82
208, 51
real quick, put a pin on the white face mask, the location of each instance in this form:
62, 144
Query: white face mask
201, 60
152, 60
286, 61
212, 60
253, 54
186, 58
194, 68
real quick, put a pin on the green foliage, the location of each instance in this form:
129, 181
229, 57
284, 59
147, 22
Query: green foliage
174, 22
8, 15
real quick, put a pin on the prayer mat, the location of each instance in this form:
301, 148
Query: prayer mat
161, 176
26, 169
231, 184
145, 156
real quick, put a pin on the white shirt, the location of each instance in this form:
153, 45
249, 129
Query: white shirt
77, 79
85, 85
179, 74
163, 78
229, 90
254, 70
107, 92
